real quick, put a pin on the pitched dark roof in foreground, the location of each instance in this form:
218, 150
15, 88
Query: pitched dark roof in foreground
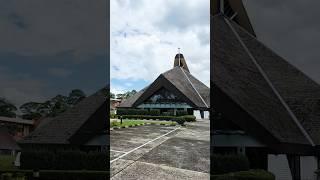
277, 95
7, 142
179, 81
78, 124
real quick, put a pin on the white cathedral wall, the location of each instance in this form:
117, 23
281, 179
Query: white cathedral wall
197, 114
308, 166
279, 166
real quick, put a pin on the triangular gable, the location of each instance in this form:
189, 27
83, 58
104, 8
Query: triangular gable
181, 83
162, 82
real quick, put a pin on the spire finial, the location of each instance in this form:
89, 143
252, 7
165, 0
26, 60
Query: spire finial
178, 50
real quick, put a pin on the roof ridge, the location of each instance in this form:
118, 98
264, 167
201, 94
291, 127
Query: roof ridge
194, 88
265, 76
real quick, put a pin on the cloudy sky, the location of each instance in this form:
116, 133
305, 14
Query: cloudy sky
291, 29
145, 36
50, 47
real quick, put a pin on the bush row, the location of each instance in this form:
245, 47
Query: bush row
135, 112
151, 112
113, 116
229, 163
246, 175
69, 160
56, 174
187, 118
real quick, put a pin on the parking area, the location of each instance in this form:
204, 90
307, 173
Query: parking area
161, 152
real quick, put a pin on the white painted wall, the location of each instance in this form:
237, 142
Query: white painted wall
279, 166
197, 114
308, 165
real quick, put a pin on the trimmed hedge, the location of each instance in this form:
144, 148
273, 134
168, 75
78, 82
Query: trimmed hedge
55, 174
188, 118
180, 120
169, 113
229, 163
132, 112
181, 113
154, 112
246, 175
151, 112
63, 160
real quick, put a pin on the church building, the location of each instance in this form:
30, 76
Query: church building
173, 90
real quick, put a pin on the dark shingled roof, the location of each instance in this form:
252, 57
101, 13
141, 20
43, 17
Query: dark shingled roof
276, 94
181, 82
76, 121
127, 103
7, 142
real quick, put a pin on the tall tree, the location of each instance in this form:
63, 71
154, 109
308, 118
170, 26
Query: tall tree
7, 109
112, 95
75, 96
31, 110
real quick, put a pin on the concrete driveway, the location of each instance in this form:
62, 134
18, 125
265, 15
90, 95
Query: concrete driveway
161, 152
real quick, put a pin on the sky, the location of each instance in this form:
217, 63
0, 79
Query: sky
291, 29
51, 47
145, 36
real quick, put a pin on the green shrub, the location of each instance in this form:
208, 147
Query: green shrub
56, 174
180, 120
246, 175
63, 159
113, 116
189, 118
181, 113
114, 123
132, 111
169, 113
154, 112
229, 163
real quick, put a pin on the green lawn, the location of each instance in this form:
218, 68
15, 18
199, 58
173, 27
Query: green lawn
6, 162
135, 122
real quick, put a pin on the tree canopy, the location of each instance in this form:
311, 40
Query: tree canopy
7, 109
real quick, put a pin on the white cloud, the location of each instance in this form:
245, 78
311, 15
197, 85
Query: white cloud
47, 27
145, 37
117, 89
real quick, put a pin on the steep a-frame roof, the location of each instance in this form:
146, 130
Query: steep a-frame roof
75, 126
179, 81
282, 99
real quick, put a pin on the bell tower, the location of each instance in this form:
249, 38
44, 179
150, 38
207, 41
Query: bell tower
234, 10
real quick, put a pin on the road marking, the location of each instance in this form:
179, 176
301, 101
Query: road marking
118, 151
123, 155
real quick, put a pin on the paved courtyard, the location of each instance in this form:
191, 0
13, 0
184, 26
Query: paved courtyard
161, 152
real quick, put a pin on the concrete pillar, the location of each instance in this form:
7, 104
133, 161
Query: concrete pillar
202, 114
175, 111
